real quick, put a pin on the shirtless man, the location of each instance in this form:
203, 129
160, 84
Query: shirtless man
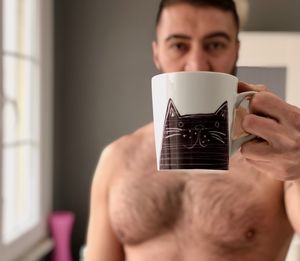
249, 214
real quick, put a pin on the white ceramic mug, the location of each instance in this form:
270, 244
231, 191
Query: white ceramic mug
193, 118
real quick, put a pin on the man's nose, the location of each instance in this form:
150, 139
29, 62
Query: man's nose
197, 60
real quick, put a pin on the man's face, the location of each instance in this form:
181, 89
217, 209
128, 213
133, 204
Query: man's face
196, 39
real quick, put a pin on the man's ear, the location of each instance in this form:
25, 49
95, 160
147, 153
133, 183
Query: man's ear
155, 55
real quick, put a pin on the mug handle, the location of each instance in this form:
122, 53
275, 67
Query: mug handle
236, 144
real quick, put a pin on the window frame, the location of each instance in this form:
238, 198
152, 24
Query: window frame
29, 240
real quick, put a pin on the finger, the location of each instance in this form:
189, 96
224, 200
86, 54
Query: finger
262, 151
237, 129
245, 87
270, 105
258, 150
268, 129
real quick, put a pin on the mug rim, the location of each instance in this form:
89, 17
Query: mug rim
194, 72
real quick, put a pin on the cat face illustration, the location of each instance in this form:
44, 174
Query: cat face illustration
196, 129
199, 134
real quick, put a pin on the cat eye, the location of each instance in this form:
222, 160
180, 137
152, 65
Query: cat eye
180, 124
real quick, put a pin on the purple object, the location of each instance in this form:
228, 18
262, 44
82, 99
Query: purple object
61, 224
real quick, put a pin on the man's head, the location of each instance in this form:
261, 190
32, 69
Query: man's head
196, 35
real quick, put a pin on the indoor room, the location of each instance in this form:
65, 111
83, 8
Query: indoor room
75, 77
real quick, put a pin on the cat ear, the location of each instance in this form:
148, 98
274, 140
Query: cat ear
222, 111
172, 110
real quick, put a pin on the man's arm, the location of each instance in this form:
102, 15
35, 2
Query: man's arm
102, 244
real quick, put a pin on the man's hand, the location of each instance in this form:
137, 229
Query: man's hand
277, 126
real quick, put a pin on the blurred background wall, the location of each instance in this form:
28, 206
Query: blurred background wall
103, 67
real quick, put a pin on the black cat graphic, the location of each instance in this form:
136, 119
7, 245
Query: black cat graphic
195, 141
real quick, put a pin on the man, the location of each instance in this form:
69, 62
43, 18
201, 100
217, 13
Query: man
249, 213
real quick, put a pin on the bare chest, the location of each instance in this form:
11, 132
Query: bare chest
219, 208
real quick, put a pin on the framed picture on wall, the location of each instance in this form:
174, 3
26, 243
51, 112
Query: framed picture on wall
278, 50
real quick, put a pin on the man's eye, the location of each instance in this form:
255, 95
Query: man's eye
215, 46
179, 46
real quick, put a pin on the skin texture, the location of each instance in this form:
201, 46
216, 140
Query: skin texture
187, 43
249, 213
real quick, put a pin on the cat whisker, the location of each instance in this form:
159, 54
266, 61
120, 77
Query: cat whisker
217, 132
218, 138
173, 135
173, 129
215, 135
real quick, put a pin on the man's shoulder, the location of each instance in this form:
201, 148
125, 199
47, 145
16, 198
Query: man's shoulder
121, 157
128, 145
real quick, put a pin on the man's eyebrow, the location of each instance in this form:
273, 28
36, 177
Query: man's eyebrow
208, 36
218, 34
177, 36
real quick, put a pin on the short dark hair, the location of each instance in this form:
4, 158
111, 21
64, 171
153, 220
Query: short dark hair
226, 5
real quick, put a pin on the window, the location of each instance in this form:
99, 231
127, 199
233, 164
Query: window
25, 111
20, 119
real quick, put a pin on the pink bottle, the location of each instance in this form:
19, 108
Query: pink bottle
61, 224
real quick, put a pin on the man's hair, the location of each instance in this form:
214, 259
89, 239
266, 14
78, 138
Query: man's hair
225, 5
